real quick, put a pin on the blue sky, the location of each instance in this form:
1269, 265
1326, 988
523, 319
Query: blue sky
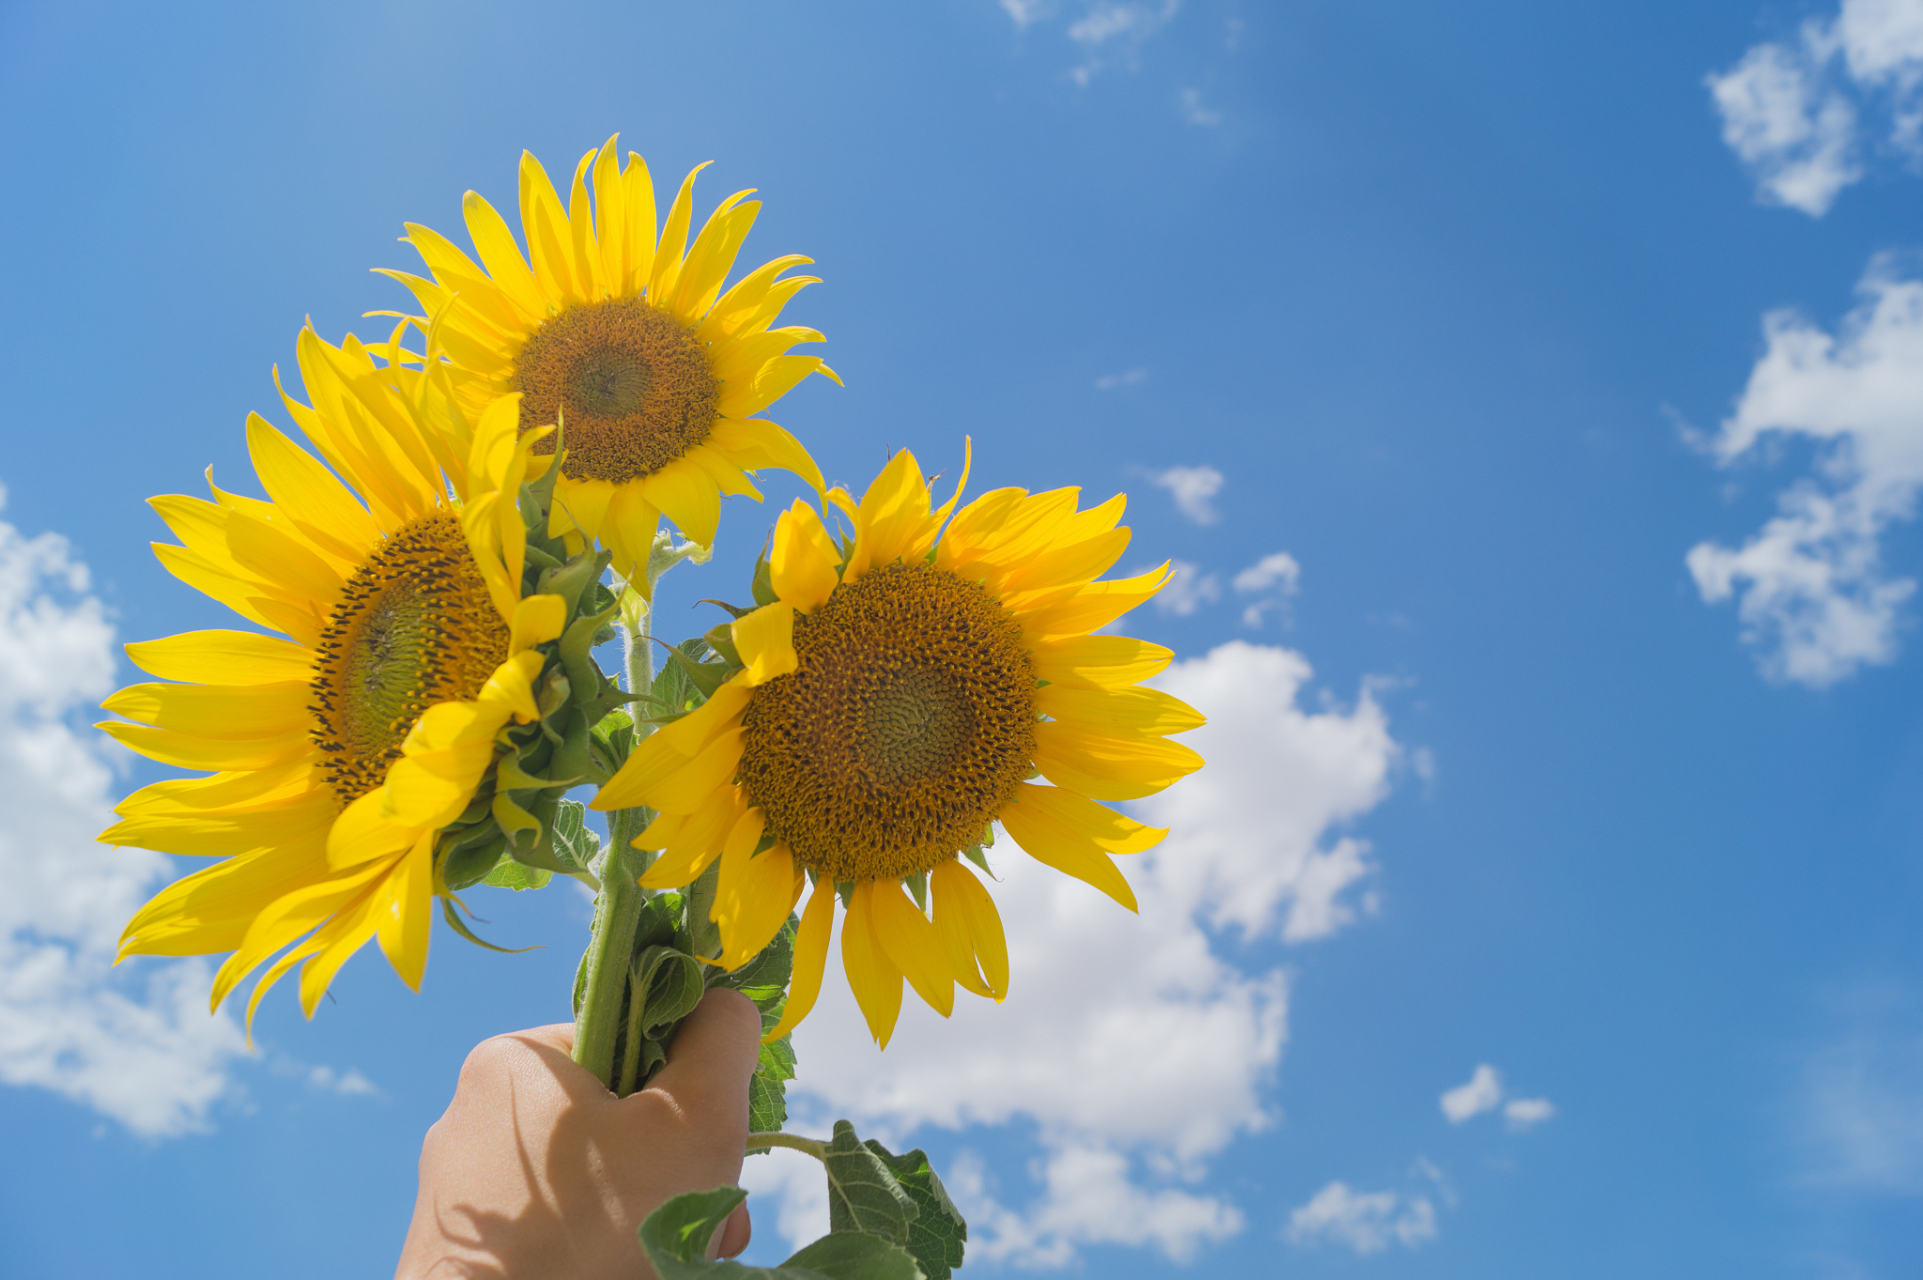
1570, 353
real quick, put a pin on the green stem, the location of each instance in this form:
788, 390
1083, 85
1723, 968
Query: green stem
618, 903
793, 1141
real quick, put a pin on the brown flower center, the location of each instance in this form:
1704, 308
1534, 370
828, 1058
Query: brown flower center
903, 730
631, 386
414, 626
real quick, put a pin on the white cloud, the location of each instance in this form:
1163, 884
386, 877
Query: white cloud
1108, 32
1192, 488
138, 1046
1187, 590
1278, 575
1796, 135
1248, 842
349, 1083
1812, 594
1526, 1113
1862, 1106
1482, 1093
1793, 109
1128, 378
1366, 1222
1194, 112
1128, 1046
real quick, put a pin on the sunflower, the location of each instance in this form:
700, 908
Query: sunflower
895, 700
340, 750
627, 342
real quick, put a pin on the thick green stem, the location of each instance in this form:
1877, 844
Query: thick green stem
617, 906
793, 1141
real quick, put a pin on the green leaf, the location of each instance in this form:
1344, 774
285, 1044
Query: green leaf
509, 874
614, 736
938, 1231
451, 908
767, 1091
672, 979
675, 1238
574, 843
863, 1194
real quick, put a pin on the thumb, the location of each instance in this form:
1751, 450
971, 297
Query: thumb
710, 1063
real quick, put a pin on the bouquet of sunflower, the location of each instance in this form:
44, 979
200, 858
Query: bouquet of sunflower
480, 507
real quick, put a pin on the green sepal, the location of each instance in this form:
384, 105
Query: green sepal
465, 857
613, 738
975, 855
675, 1237
734, 610
764, 582
453, 918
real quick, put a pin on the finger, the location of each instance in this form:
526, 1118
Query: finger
736, 1232
712, 1059
558, 1035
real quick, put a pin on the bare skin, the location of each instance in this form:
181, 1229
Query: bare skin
536, 1170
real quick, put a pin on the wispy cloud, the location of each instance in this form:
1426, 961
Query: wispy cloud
136, 1045
1107, 33
1276, 578
1128, 378
1812, 594
1794, 110
1367, 1222
1194, 490
1194, 112
1120, 1149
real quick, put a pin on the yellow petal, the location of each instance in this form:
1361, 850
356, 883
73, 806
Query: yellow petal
1099, 662
1049, 841
1110, 768
363, 834
911, 944
754, 894
664, 752
688, 788
1103, 827
755, 443
970, 929
401, 911
1118, 711
688, 497
428, 789
510, 690
221, 711
803, 562
537, 620
190, 751
872, 976
223, 657
811, 958
765, 640
893, 511
1091, 608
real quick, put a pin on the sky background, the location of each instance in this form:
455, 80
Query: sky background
1532, 394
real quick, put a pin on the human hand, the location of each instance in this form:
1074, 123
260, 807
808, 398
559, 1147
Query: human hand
536, 1170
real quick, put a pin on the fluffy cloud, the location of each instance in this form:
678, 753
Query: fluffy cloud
1366, 1222
1275, 578
1128, 1047
1793, 110
144, 1052
1193, 489
1526, 1113
1482, 1093
1812, 593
